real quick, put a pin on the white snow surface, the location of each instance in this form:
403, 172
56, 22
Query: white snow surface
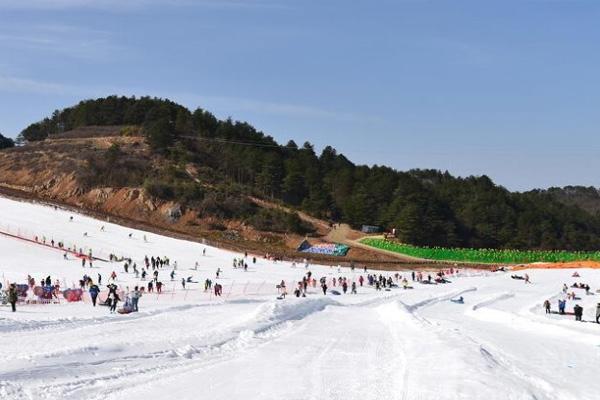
187, 344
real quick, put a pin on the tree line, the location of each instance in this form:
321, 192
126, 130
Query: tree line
427, 207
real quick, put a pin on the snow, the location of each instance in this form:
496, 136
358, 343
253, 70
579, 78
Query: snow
187, 344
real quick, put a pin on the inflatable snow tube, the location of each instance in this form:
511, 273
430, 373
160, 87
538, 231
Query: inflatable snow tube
72, 295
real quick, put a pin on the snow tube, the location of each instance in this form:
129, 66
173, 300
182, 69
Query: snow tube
125, 310
335, 292
22, 290
72, 295
43, 292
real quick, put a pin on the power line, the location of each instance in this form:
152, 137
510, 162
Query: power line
227, 141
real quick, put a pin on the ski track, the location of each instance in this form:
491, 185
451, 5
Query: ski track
492, 300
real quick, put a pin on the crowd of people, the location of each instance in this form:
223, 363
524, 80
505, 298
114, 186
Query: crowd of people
569, 295
153, 267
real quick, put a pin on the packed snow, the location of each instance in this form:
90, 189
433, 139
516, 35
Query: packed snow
187, 343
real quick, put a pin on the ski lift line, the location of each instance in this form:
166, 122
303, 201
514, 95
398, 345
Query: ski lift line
226, 141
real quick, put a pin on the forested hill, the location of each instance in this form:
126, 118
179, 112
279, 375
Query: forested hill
233, 159
584, 197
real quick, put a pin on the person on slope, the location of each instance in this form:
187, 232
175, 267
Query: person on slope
324, 287
578, 311
562, 304
94, 291
135, 298
547, 306
598, 313
353, 288
113, 299
183, 283
13, 296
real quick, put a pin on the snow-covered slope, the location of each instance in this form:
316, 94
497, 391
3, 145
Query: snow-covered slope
187, 344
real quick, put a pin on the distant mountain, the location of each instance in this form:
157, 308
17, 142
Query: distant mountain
212, 167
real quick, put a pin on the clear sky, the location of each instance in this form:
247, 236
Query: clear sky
507, 88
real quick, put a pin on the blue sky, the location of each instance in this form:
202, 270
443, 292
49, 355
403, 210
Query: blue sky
506, 88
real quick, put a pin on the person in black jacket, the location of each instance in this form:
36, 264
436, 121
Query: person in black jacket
578, 310
13, 296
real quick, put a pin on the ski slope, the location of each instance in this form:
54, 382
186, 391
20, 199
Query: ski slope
187, 344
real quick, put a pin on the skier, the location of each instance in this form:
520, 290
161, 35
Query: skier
94, 290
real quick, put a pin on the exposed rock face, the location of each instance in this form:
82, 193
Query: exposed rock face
55, 170
174, 213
